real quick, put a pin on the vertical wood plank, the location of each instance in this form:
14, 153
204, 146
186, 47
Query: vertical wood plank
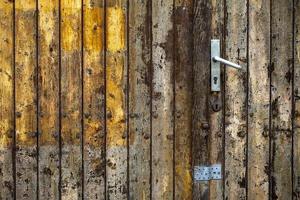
139, 99
281, 99
116, 99
6, 100
201, 70
183, 98
216, 122
48, 96
93, 99
258, 100
207, 124
162, 99
296, 153
71, 100
26, 99
235, 100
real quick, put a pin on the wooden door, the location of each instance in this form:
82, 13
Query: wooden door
111, 99
254, 136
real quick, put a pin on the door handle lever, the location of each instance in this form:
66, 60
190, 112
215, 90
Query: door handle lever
226, 62
215, 66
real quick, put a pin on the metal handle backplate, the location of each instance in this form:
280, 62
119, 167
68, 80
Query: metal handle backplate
215, 65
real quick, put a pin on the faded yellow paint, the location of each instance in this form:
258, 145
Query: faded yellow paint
25, 73
91, 131
70, 133
70, 27
185, 178
6, 73
115, 29
48, 60
115, 101
115, 76
93, 27
27, 5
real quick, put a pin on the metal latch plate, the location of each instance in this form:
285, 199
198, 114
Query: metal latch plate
206, 173
215, 66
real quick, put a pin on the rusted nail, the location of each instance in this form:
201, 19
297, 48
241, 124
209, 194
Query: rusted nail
241, 134
288, 134
220, 134
205, 125
147, 136
170, 137
265, 133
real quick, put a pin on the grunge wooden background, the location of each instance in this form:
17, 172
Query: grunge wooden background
110, 99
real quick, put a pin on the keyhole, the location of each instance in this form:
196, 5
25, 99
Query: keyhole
216, 106
215, 80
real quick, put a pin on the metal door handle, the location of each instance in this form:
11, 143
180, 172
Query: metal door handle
215, 66
226, 62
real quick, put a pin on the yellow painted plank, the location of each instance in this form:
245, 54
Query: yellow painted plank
116, 79
26, 99
6, 100
162, 100
48, 99
71, 96
183, 101
139, 99
93, 98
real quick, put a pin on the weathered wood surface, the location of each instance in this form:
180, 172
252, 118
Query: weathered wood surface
296, 153
110, 99
162, 99
183, 47
258, 100
207, 124
48, 99
116, 99
71, 99
139, 99
236, 100
26, 99
216, 136
281, 99
93, 99
6, 100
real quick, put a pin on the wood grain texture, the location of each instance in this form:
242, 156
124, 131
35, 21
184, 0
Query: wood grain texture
281, 99
207, 124
26, 99
71, 99
235, 100
139, 99
116, 99
258, 100
6, 100
296, 148
183, 98
162, 99
93, 99
201, 73
216, 136
48, 99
